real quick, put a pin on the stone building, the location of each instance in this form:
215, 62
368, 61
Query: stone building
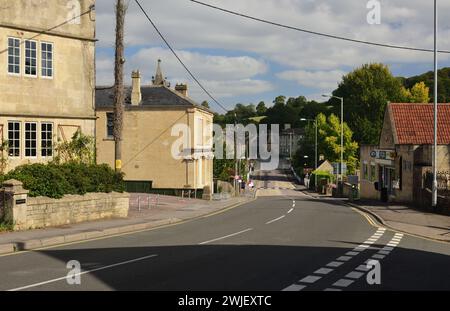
153, 115
47, 75
394, 169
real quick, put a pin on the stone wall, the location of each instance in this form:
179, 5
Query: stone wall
31, 213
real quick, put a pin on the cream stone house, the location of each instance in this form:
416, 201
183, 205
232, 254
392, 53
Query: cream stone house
153, 114
47, 75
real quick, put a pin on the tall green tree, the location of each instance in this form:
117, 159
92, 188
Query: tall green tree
366, 92
261, 109
329, 143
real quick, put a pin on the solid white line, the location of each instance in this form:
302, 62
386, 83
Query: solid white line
227, 236
290, 211
274, 220
81, 273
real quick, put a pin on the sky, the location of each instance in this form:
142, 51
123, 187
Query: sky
244, 61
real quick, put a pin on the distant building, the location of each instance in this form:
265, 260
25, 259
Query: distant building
404, 153
290, 141
47, 76
151, 113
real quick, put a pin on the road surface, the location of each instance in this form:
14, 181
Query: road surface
284, 240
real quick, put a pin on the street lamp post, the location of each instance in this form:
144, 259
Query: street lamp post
315, 146
434, 188
342, 134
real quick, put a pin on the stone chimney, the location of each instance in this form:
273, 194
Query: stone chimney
136, 95
182, 89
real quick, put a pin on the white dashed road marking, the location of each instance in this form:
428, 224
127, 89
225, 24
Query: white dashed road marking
381, 254
225, 237
275, 220
339, 262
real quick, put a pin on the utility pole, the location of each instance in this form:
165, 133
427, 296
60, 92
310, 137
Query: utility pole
119, 96
236, 167
434, 190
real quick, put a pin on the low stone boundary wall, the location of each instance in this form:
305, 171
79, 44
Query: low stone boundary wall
31, 213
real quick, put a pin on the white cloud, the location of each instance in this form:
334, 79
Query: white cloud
223, 76
304, 57
314, 79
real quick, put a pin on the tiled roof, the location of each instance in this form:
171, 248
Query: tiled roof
413, 123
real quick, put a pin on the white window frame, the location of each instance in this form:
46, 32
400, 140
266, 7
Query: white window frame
47, 132
52, 68
14, 56
25, 140
19, 139
31, 58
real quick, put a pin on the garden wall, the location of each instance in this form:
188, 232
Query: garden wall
31, 213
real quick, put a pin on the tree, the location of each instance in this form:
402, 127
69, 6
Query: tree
366, 92
261, 109
420, 93
205, 104
428, 79
329, 143
280, 100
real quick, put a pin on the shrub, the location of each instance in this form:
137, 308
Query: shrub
320, 175
56, 180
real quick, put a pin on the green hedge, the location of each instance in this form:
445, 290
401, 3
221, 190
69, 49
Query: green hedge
57, 180
320, 175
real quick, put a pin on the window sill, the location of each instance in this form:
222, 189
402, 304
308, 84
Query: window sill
108, 139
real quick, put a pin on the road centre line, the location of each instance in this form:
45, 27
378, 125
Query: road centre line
225, 237
82, 273
274, 220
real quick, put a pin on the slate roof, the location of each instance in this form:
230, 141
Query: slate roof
151, 96
413, 123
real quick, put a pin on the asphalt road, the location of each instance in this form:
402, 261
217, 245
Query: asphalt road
285, 240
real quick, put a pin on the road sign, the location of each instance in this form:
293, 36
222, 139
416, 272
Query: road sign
336, 168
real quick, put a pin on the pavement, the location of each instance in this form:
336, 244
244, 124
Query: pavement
289, 241
402, 218
409, 220
146, 212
